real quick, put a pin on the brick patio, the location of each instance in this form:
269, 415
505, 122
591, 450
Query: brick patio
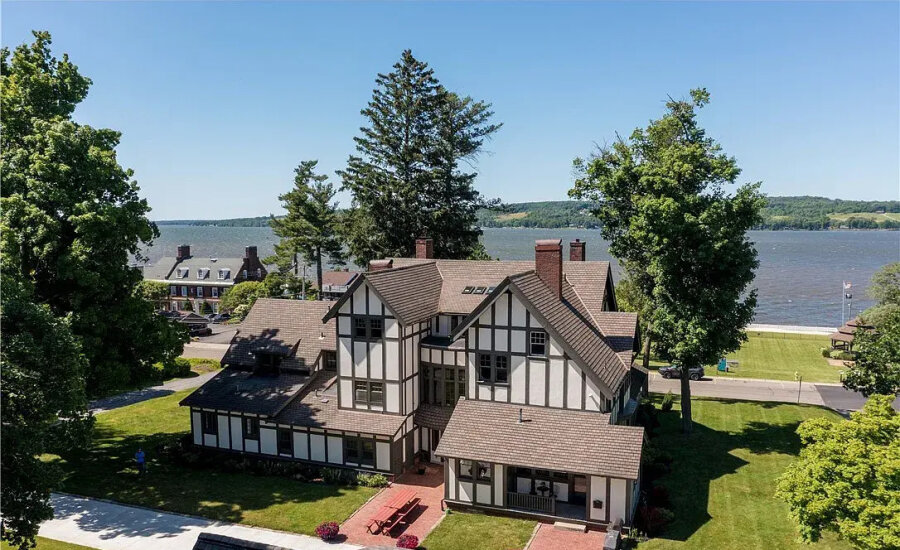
429, 489
549, 538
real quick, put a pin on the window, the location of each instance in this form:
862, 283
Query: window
258, 273
454, 322
376, 328
368, 393
368, 328
245, 273
493, 368
224, 273
479, 290
251, 428
468, 290
183, 272
210, 424
215, 292
173, 290
199, 292
285, 442
465, 469
481, 471
203, 273
537, 343
330, 360
359, 327
184, 291
358, 450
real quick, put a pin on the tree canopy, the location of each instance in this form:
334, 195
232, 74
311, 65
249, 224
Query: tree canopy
241, 297
846, 479
310, 227
407, 178
876, 369
71, 216
884, 288
681, 237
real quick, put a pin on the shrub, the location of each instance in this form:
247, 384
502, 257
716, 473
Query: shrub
843, 355
177, 368
328, 530
667, 402
659, 496
408, 541
826, 352
653, 519
338, 476
372, 480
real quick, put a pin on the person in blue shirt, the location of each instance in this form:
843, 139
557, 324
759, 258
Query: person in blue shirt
141, 461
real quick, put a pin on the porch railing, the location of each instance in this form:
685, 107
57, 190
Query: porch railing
534, 503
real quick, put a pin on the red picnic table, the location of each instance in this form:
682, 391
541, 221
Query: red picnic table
393, 511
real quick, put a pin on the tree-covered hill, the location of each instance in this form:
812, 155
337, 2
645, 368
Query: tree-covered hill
805, 212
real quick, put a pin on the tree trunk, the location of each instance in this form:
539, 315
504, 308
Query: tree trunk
687, 426
645, 351
319, 270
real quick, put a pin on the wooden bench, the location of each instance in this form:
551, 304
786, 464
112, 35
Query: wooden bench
393, 511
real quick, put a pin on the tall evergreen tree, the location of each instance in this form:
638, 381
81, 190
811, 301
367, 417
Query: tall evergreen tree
71, 216
682, 238
310, 227
406, 178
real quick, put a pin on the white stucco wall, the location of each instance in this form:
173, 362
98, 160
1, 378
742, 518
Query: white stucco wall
617, 499
198, 427
237, 434
224, 431
598, 492
268, 441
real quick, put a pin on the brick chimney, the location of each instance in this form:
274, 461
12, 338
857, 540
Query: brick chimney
424, 248
378, 265
249, 252
576, 251
184, 251
548, 263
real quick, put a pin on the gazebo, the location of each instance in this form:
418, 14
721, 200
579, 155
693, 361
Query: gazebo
843, 338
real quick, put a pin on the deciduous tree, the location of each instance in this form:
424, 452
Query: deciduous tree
877, 365
884, 288
846, 479
310, 227
665, 210
71, 216
243, 296
406, 178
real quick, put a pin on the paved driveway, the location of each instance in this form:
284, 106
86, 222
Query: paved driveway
109, 526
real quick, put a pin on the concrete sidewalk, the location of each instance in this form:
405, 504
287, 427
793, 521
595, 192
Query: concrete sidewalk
743, 388
108, 526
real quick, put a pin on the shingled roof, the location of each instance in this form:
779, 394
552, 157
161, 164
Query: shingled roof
553, 439
239, 390
291, 328
317, 407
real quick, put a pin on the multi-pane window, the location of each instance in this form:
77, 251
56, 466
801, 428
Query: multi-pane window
251, 428
368, 328
493, 368
480, 471
443, 385
215, 292
200, 292
359, 450
368, 393
224, 273
173, 290
184, 291
210, 424
330, 360
537, 343
285, 442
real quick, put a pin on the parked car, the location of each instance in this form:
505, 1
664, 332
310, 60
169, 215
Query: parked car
674, 371
220, 317
201, 331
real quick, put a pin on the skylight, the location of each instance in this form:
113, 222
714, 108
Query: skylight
479, 290
490, 289
468, 290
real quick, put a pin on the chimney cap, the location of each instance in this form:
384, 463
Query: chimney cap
375, 265
548, 243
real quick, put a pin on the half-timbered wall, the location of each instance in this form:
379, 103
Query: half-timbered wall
552, 380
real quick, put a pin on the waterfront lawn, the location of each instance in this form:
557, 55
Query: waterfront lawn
48, 544
777, 356
107, 471
460, 530
722, 478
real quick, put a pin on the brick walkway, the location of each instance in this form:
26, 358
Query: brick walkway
429, 489
548, 538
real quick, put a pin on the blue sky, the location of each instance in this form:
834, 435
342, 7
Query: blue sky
217, 102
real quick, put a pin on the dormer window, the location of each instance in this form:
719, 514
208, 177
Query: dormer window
183, 272
203, 273
224, 274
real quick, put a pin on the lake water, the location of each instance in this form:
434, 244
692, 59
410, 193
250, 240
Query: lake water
799, 276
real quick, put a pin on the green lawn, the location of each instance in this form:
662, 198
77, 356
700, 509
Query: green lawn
49, 544
107, 471
777, 356
722, 481
460, 530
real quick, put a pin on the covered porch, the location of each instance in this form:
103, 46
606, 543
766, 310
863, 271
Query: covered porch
547, 463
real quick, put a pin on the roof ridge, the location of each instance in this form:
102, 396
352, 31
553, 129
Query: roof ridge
384, 272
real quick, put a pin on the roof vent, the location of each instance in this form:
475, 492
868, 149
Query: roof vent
214, 259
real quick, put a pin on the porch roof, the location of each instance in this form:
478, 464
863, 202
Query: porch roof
553, 439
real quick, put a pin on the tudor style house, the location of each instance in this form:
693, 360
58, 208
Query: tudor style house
194, 280
517, 376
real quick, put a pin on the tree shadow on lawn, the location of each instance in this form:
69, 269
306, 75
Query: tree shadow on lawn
707, 455
107, 470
